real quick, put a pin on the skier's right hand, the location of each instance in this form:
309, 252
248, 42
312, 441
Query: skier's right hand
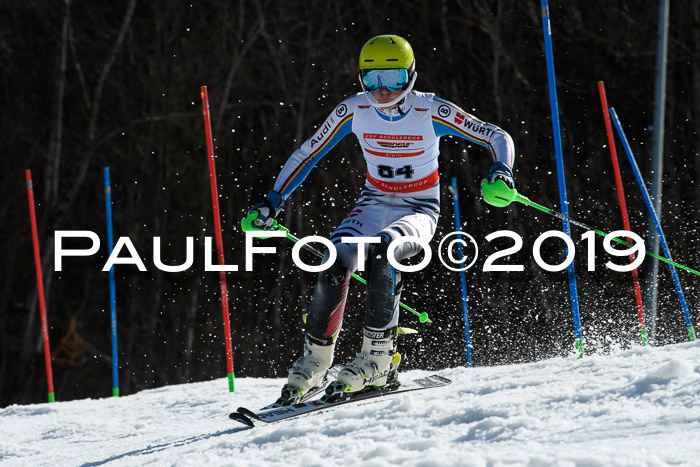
267, 210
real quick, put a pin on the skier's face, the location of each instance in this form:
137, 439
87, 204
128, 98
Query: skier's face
384, 95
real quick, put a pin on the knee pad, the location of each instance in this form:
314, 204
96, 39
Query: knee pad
384, 287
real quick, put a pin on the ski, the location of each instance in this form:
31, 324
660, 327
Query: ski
279, 413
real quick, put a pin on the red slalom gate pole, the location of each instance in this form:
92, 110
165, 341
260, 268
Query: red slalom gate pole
623, 208
219, 241
40, 285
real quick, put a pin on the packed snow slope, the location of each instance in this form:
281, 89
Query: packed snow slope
637, 407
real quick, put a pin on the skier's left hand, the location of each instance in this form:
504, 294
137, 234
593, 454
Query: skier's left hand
499, 194
500, 171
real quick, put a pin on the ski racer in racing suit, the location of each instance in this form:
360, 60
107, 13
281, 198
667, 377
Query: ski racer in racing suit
399, 131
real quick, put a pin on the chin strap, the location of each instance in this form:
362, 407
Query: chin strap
374, 102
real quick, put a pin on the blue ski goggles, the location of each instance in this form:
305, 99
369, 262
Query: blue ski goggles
393, 79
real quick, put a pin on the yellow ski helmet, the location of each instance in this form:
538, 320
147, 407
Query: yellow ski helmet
387, 52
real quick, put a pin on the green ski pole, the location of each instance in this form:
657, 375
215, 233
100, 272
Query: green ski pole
498, 194
247, 226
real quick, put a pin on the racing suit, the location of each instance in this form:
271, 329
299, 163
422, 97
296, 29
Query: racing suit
401, 195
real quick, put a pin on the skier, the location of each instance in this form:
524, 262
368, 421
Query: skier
399, 131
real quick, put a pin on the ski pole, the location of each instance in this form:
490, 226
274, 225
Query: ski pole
40, 285
656, 222
462, 276
112, 286
498, 194
623, 209
247, 226
223, 288
561, 179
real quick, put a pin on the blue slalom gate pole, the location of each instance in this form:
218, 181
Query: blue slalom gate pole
546, 26
462, 275
655, 221
112, 288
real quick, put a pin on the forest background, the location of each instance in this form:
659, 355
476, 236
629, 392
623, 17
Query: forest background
87, 85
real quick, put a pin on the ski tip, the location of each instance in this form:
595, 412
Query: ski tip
241, 419
249, 414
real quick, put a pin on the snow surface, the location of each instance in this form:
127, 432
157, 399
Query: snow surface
634, 408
